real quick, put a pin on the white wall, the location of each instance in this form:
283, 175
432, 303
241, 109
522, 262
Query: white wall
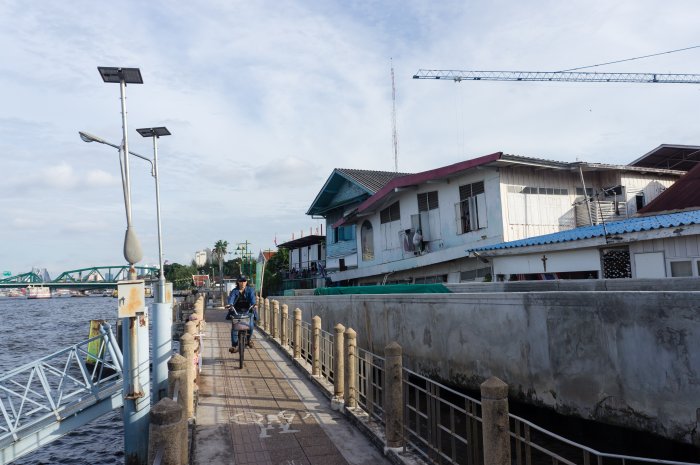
557, 262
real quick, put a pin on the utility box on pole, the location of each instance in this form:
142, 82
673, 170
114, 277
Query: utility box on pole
131, 298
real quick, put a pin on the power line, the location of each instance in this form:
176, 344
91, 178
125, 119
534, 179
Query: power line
631, 59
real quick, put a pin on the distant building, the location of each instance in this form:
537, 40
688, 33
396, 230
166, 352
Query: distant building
202, 257
307, 262
417, 228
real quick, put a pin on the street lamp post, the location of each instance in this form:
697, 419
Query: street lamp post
135, 328
161, 346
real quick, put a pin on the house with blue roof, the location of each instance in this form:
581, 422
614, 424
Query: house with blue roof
416, 228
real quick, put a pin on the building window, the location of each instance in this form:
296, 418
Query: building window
427, 201
471, 208
344, 233
367, 241
681, 269
389, 214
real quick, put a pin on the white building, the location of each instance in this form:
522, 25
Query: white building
417, 227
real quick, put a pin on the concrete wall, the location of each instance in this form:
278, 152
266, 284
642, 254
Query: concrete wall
630, 357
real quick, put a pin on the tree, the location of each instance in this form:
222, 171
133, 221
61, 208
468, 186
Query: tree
179, 275
220, 252
274, 272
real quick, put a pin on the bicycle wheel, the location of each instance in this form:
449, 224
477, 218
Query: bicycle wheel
241, 347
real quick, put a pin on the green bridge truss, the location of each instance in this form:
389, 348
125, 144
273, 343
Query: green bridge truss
96, 276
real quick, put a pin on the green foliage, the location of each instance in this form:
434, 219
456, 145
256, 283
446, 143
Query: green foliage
274, 269
180, 275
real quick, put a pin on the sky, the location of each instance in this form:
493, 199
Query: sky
264, 99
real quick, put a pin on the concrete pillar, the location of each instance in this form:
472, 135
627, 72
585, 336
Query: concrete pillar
264, 310
297, 333
339, 361
275, 318
199, 303
495, 424
187, 347
316, 346
177, 371
393, 395
284, 325
350, 390
165, 429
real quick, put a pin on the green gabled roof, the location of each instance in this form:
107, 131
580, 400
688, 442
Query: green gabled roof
367, 180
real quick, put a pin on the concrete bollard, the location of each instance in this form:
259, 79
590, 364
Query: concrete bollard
316, 346
187, 348
284, 325
350, 390
275, 318
199, 304
393, 395
177, 371
264, 309
495, 424
165, 428
297, 333
337, 400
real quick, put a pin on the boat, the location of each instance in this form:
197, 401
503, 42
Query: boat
38, 292
61, 293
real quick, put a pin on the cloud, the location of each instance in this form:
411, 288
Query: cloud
287, 172
99, 178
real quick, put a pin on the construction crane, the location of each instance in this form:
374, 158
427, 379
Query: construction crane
554, 76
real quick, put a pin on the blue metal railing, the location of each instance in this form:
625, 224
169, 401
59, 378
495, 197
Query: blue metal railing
44, 399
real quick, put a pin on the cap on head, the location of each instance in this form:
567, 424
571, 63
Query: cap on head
242, 278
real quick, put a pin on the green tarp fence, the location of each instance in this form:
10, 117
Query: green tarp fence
388, 289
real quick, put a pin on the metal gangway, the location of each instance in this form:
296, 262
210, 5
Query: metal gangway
48, 398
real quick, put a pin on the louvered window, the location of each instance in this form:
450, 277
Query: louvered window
389, 214
427, 201
470, 211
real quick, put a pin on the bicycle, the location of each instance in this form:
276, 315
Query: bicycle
241, 322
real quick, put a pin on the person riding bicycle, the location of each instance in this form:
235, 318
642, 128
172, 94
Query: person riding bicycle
242, 301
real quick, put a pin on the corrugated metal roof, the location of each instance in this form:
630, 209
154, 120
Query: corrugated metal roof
370, 180
684, 194
642, 223
670, 156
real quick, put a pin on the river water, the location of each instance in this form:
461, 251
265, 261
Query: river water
32, 329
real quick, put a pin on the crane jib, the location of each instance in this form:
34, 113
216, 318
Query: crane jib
649, 78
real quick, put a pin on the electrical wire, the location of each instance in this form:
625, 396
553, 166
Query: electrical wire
630, 59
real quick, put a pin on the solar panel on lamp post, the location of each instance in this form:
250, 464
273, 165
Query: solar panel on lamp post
134, 328
124, 76
161, 345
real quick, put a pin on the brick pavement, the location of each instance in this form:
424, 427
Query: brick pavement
267, 413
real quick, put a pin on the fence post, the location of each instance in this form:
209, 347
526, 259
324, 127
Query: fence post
275, 318
166, 419
177, 371
297, 333
187, 350
316, 346
268, 323
350, 369
495, 423
393, 395
283, 325
339, 361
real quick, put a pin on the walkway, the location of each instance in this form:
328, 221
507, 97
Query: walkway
268, 412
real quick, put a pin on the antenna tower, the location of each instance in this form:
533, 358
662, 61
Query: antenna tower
395, 136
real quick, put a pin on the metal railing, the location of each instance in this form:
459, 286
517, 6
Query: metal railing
326, 351
441, 424
533, 444
57, 386
370, 384
306, 336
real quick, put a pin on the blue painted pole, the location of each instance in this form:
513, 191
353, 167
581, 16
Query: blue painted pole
162, 347
136, 404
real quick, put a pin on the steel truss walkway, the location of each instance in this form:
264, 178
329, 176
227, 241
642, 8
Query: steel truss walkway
46, 399
83, 278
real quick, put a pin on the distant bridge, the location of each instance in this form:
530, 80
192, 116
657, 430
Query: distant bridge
96, 277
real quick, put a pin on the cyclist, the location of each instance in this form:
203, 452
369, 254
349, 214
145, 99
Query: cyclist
242, 301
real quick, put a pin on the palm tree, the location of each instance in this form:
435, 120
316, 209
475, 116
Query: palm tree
220, 252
